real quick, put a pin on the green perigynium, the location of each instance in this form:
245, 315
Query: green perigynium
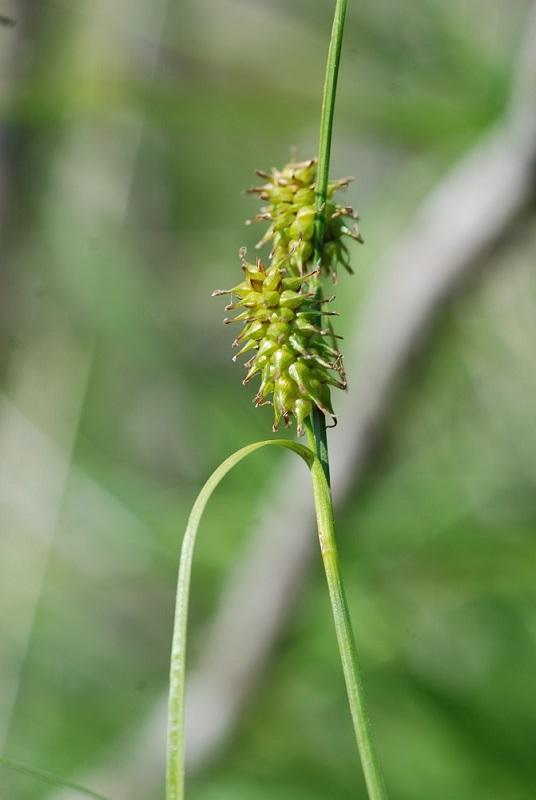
291, 353
296, 359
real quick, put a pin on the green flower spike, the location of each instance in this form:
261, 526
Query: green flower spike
291, 354
291, 212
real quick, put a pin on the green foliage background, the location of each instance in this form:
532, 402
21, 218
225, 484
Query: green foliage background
438, 544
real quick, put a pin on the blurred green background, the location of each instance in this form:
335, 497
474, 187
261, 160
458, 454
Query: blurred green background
129, 130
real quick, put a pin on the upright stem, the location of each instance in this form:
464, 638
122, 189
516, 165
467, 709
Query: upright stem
345, 636
326, 119
324, 151
316, 435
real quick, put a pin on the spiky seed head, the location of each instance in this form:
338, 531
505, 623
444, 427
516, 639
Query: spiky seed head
295, 358
291, 212
285, 344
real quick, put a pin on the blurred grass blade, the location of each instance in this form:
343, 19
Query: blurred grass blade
175, 741
47, 777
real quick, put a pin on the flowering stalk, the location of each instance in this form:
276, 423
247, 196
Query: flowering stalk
317, 439
281, 308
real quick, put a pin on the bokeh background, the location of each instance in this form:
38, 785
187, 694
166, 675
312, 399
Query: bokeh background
129, 130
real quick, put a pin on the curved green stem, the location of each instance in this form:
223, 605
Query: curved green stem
175, 736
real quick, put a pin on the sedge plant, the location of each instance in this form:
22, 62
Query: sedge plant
292, 350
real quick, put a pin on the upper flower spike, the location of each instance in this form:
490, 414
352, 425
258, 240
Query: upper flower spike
291, 212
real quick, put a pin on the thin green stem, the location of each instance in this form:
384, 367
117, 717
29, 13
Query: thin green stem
326, 120
324, 151
343, 627
316, 434
320, 438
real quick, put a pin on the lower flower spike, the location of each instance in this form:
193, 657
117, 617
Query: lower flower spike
291, 354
